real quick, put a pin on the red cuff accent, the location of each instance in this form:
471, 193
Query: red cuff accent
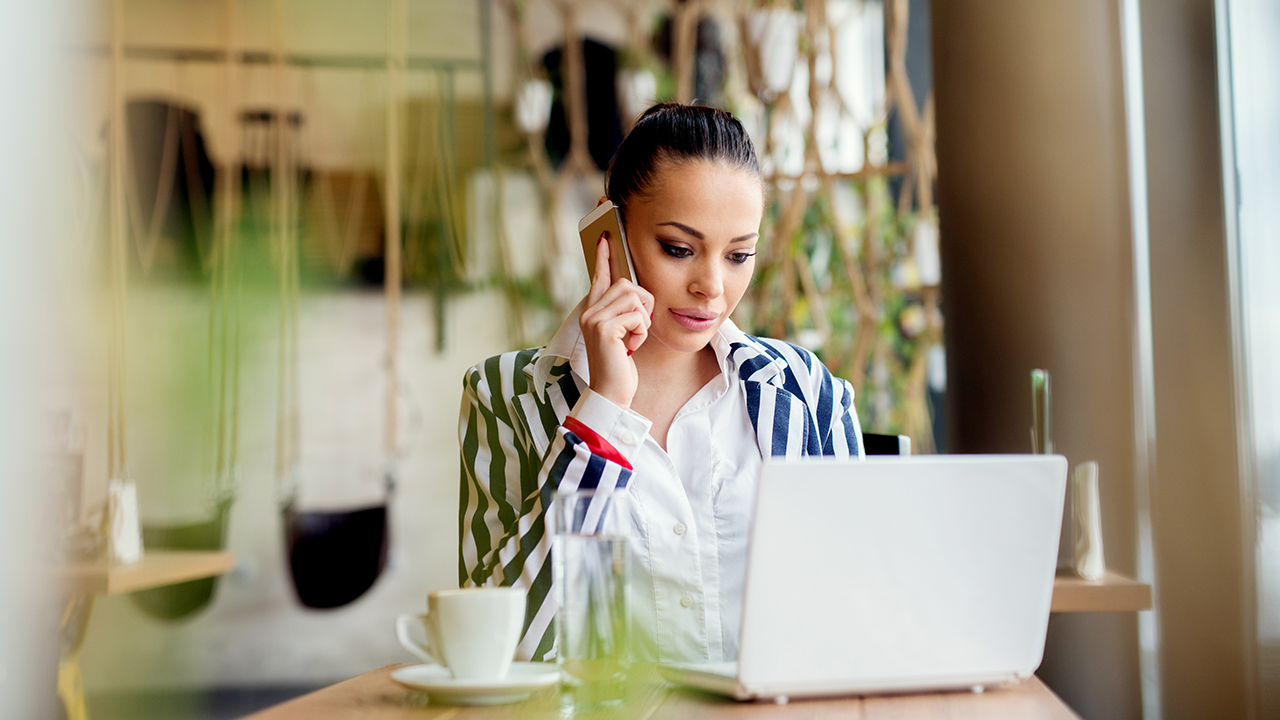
599, 446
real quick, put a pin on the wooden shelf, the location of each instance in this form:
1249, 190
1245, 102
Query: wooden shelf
156, 569
1113, 593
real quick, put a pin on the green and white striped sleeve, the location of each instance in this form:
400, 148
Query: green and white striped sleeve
506, 489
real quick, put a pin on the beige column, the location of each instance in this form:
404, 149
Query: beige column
1038, 273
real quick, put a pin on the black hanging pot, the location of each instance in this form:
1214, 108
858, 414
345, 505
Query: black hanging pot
335, 556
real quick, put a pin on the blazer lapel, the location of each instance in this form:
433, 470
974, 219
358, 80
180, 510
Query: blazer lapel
780, 420
543, 412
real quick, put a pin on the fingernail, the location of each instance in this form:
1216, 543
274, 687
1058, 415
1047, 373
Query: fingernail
629, 352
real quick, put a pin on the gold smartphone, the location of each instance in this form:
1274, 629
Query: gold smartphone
606, 219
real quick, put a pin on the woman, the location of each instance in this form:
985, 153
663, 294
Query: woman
651, 386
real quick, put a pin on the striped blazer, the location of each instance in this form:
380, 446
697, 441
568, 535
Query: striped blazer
516, 453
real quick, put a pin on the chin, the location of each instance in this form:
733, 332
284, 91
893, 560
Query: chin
683, 340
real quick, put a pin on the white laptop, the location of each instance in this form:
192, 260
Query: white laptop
894, 575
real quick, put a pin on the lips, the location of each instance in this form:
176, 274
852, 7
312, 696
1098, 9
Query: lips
695, 319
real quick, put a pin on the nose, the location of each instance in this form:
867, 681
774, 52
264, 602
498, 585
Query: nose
708, 281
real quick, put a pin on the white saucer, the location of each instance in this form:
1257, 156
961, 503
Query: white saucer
522, 679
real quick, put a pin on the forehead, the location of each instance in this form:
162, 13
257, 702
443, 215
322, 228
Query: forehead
714, 198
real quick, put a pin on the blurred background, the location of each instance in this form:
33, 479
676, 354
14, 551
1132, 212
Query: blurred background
254, 245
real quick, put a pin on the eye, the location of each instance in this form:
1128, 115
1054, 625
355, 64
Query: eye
675, 250
740, 257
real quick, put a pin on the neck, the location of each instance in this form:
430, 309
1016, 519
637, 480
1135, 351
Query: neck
655, 360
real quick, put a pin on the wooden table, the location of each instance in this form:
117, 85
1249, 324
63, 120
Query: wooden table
1113, 593
375, 696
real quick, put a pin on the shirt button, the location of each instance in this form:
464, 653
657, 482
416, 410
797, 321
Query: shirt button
687, 601
679, 528
629, 438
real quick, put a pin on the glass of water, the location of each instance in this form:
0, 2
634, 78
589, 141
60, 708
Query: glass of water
590, 566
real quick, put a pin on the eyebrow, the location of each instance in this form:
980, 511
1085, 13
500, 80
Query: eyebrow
700, 236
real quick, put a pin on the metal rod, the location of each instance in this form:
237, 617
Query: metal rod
266, 57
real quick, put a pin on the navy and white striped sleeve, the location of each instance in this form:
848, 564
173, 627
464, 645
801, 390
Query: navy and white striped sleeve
836, 416
505, 493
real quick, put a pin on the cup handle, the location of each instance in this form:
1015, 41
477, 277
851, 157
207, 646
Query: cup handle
407, 641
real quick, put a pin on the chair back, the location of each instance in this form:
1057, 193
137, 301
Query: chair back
874, 444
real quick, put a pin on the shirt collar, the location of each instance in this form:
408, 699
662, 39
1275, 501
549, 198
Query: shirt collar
731, 346
564, 345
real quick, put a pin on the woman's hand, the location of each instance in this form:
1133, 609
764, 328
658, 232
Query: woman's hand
615, 322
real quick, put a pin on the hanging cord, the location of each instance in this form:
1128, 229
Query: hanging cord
392, 272
287, 419
295, 295
346, 230
434, 164
147, 239
116, 460
341, 235
226, 286
415, 214
447, 168
201, 217
449, 248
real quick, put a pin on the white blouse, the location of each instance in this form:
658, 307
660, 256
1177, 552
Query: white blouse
691, 509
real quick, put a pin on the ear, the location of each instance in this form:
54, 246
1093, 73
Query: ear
603, 199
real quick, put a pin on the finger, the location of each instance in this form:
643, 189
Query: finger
615, 304
617, 299
637, 324
603, 199
626, 324
617, 319
646, 299
622, 286
602, 279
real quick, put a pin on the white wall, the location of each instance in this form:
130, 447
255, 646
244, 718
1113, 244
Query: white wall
33, 85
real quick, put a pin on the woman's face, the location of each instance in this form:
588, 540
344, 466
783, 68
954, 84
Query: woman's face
693, 243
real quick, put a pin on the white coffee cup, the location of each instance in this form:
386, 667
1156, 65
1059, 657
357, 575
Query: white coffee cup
471, 631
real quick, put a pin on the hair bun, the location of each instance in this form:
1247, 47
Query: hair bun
676, 133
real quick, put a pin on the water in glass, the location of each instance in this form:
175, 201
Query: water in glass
591, 570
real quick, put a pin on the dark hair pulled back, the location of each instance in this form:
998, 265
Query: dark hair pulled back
672, 133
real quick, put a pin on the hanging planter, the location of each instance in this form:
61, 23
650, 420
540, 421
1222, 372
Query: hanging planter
637, 91
176, 178
335, 556
858, 57
175, 602
775, 32
533, 106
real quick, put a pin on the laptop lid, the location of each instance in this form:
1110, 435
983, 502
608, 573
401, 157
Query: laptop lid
899, 573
